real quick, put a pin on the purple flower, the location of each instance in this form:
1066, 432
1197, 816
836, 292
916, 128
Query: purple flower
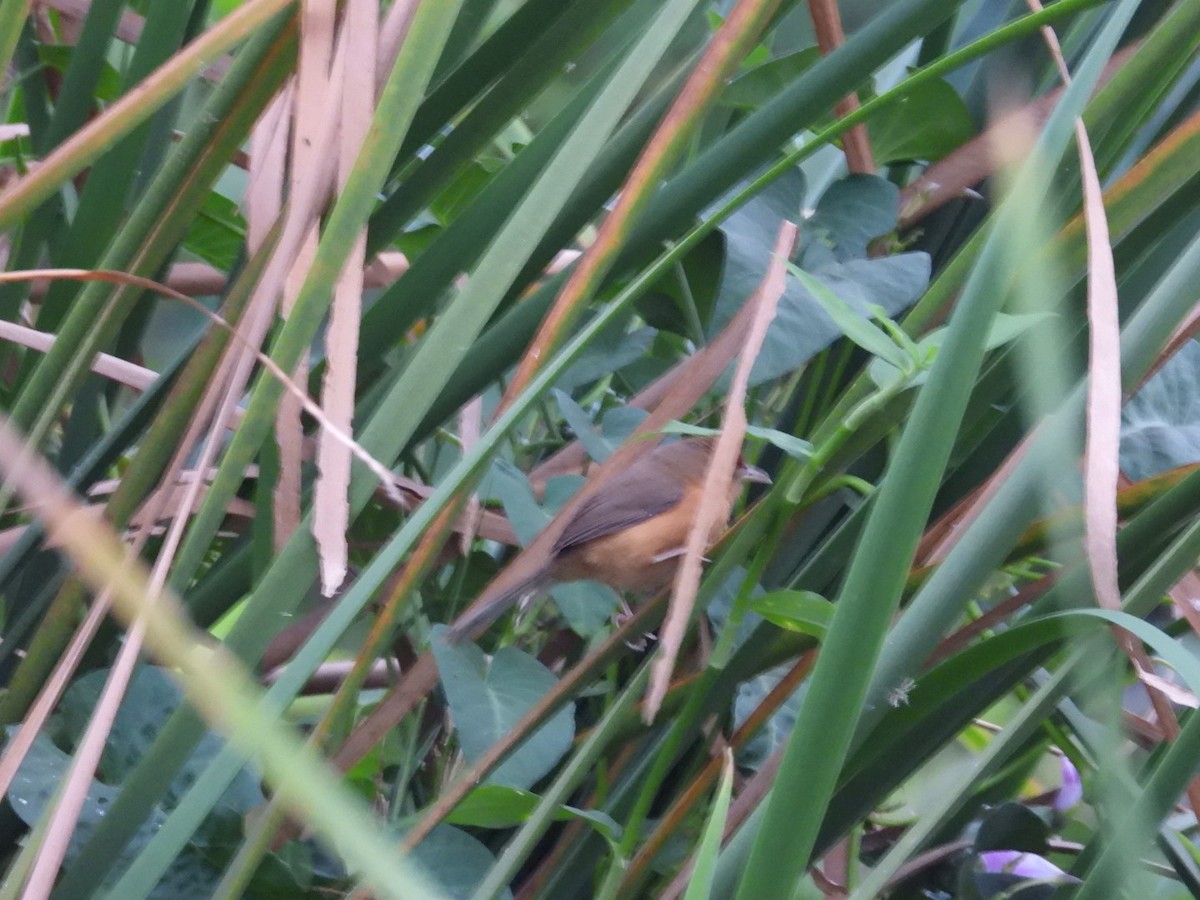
1071, 791
1026, 865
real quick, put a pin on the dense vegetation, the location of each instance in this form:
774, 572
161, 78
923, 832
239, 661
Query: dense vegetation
950, 652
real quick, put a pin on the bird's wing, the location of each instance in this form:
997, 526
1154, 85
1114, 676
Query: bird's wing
638, 494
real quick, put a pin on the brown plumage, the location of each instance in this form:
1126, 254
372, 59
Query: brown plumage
630, 535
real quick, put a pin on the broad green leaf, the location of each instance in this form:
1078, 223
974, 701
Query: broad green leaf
494, 806
152, 697
488, 696
612, 352
803, 327
511, 487
853, 324
1012, 826
498, 806
754, 87
588, 606
456, 861
945, 124
585, 431
1160, 425
833, 249
778, 727
801, 611
217, 232
619, 423
851, 213
749, 241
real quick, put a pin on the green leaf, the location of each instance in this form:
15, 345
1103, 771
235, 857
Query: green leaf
612, 351
701, 883
795, 447
217, 233
756, 86
801, 611
581, 423
461, 192
749, 242
803, 326
1012, 826
499, 806
58, 58
511, 487
588, 606
487, 697
151, 698
1160, 425
619, 423
455, 860
494, 806
853, 324
925, 125
851, 213
1005, 328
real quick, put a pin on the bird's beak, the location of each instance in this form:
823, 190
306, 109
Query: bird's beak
753, 473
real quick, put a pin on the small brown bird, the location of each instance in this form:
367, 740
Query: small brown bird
630, 535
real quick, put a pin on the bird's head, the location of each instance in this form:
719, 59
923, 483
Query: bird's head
747, 472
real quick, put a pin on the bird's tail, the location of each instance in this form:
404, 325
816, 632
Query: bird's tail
493, 603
